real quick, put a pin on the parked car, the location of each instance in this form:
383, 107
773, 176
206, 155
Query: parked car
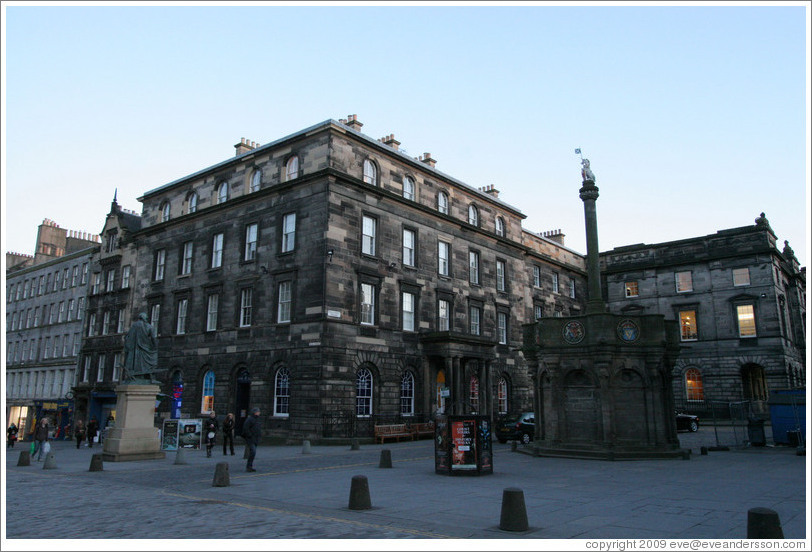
519, 427
687, 422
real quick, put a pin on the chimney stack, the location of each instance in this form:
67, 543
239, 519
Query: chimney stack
426, 158
554, 235
245, 146
491, 190
354, 123
390, 141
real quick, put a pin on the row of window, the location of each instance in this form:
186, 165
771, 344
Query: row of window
58, 346
38, 383
47, 283
101, 360
745, 322
110, 279
683, 282
54, 313
112, 322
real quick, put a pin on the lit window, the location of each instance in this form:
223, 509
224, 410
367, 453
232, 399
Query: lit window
407, 302
473, 215
473, 267
687, 320
207, 404
368, 236
442, 203
502, 396
222, 192
288, 232
408, 247
183, 306
501, 320
256, 178
245, 307
443, 314
631, 289
165, 212
407, 394
694, 390
367, 304
500, 226
370, 173
443, 257
283, 310
282, 393
500, 275
741, 276
747, 320
474, 316
363, 393
684, 282
408, 188
186, 265
212, 307
251, 242
217, 251
473, 394
292, 168
160, 264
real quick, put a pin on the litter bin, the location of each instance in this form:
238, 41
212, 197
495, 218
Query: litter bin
755, 432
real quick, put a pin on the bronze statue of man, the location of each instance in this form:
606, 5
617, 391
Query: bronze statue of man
140, 350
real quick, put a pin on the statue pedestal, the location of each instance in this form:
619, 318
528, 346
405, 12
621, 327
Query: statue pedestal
135, 436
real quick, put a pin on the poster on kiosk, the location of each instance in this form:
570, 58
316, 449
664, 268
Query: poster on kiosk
462, 445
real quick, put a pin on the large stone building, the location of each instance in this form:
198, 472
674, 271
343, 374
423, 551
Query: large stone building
740, 303
45, 296
334, 281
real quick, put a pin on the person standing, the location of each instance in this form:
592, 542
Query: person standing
11, 437
92, 430
41, 437
228, 433
79, 432
251, 432
210, 427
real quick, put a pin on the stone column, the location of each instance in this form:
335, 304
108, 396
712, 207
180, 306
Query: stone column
589, 195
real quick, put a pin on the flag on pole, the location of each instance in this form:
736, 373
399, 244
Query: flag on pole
578, 151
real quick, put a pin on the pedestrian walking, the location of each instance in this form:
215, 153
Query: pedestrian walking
92, 431
210, 427
228, 433
41, 437
79, 432
251, 432
11, 437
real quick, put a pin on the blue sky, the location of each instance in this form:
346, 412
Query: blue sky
695, 118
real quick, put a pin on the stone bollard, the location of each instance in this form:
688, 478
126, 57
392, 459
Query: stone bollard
25, 458
763, 523
221, 478
50, 462
355, 445
386, 459
305, 447
180, 456
703, 451
97, 462
359, 493
514, 514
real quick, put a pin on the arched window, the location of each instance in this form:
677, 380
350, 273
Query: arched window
473, 215
370, 173
207, 404
502, 396
473, 394
408, 188
282, 393
222, 192
500, 226
407, 394
165, 211
442, 202
363, 393
694, 390
256, 178
192, 200
292, 168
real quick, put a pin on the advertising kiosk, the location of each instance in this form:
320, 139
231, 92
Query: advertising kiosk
462, 445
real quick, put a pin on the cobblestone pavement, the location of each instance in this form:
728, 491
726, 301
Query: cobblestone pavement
305, 496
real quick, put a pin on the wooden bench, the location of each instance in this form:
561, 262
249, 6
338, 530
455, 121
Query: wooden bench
392, 431
425, 429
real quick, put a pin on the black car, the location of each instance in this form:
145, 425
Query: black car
519, 427
687, 422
